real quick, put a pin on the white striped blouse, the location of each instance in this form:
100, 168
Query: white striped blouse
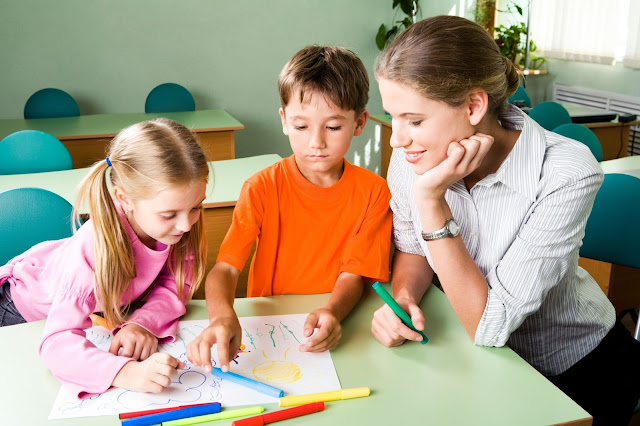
523, 226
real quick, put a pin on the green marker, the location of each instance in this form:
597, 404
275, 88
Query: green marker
396, 310
217, 416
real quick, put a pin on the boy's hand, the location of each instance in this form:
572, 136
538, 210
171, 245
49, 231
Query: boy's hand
227, 333
462, 159
329, 331
389, 330
151, 375
135, 342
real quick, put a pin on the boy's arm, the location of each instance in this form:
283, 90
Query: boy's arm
224, 327
327, 318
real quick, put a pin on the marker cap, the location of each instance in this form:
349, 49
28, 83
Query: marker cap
249, 421
355, 392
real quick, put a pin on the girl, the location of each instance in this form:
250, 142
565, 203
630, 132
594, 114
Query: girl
144, 239
496, 206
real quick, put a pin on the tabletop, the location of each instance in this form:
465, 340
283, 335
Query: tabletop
222, 190
626, 165
108, 125
448, 381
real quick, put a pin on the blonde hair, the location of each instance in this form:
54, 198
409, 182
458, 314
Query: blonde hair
334, 72
445, 57
145, 159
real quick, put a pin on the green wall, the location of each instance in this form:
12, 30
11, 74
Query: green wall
109, 54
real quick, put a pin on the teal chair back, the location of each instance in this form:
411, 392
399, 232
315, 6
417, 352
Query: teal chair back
51, 103
613, 232
581, 134
32, 151
520, 97
550, 115
29, 216
617, 202
169, 97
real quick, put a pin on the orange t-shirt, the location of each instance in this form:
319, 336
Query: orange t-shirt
307, 235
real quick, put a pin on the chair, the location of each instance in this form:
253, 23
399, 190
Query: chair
32, 151
617, 198
169, 97
520, 98
51, 103
29, 216
581, 134
550, 115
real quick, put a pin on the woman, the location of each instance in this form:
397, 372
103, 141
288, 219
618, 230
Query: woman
497, 207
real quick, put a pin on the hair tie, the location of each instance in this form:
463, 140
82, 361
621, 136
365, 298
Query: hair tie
108, 162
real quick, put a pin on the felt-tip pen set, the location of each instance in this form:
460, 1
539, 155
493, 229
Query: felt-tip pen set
200, 413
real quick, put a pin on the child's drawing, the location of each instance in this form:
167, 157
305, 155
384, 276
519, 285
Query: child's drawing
269, 353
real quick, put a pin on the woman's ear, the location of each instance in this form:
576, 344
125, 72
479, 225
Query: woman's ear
478, 106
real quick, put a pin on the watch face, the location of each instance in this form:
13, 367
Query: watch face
453, 227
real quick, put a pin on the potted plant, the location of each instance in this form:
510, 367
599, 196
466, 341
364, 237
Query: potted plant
512, 40
410, 8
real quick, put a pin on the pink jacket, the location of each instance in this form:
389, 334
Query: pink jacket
54, 281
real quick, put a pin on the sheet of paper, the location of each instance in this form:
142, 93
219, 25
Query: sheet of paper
269, 354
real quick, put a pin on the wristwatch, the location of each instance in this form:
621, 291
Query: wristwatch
450, 230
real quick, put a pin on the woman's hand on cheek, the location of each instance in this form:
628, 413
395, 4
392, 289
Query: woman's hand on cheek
462, 159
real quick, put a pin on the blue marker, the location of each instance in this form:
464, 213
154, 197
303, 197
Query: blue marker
182, 413
250, 383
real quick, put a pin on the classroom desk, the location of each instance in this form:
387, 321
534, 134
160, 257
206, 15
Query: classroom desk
449, 381
613, 135
619, 283
229, 175
86, 136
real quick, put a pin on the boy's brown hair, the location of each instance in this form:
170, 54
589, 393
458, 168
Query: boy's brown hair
334, 72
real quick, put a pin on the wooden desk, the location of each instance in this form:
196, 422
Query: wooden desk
86, 136
619, 283
229, 175
613, 135
449, 381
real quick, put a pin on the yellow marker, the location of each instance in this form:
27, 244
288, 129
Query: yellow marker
98, 320
288, 401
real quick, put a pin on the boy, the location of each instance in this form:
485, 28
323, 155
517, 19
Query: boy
321, 224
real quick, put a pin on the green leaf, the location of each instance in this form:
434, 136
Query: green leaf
519, 9
407, 6
407, 22
395, 4
381, 37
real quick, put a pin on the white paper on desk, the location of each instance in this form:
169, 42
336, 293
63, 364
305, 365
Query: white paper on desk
270, 355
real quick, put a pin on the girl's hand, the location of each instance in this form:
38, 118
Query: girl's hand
462, 159
224, 331
329, 331
151, 375
135, 342
389, 330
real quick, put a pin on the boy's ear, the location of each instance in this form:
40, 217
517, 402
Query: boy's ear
283, 118
478, 106
360, 123
122, 199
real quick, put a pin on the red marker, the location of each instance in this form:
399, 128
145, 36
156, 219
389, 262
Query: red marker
158, 410
276, 416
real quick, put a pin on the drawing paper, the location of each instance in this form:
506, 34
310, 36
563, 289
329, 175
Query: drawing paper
269, 353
